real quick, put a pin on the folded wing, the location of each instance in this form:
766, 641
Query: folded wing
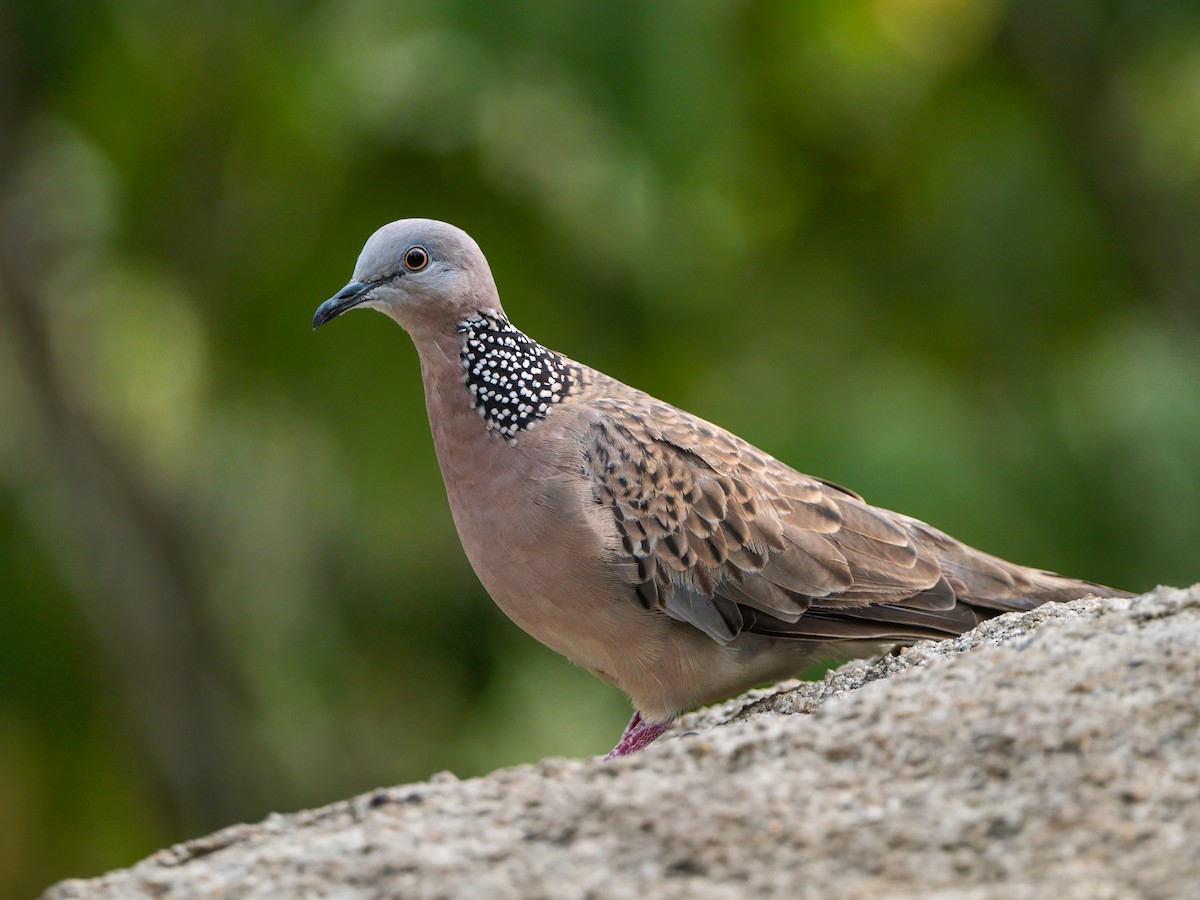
728, 539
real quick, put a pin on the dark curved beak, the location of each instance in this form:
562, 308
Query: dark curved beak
347, 298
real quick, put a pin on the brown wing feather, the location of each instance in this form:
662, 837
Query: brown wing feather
729, 539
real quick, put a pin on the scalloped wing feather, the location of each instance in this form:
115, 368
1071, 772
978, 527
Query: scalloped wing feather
729, 539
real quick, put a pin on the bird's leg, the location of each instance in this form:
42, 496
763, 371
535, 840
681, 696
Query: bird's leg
638, 733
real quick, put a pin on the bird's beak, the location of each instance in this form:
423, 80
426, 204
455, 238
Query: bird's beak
347, 298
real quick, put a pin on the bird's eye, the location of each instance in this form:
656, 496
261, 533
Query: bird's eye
416, 258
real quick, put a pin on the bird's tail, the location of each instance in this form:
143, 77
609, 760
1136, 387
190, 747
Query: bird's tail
992, 585
1050, 587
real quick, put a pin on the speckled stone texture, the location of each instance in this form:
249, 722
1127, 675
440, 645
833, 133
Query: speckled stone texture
1054, 753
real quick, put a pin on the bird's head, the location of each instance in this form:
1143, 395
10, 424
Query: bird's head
422, 273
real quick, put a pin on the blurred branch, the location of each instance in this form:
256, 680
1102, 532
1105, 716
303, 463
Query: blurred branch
142, 597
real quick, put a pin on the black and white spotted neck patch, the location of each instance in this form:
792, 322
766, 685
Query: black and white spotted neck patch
513, 380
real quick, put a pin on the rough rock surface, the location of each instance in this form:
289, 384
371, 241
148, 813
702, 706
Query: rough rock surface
1055, 753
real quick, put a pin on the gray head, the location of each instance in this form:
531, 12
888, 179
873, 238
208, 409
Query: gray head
422, 273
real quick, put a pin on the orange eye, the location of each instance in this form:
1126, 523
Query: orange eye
416, 258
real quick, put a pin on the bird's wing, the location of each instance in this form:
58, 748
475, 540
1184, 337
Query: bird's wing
729, 539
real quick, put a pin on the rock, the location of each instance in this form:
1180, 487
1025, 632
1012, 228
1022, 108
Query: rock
1051, 753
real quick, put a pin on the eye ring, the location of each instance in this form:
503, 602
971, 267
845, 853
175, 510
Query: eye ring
416, 258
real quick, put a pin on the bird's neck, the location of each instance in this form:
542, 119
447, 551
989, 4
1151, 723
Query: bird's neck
511, 380
475, 377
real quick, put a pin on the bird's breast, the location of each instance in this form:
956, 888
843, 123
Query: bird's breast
526, 518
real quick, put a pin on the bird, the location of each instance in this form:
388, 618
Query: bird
665, 554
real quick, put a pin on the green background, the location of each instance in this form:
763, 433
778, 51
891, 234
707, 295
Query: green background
941, 251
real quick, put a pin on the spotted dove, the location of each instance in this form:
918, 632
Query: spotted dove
666, 555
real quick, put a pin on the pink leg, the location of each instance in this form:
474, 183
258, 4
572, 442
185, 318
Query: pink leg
638, 733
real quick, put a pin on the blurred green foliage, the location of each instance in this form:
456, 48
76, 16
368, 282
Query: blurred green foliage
942, 251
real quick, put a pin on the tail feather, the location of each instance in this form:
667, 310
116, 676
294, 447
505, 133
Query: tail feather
974, 586
994, 585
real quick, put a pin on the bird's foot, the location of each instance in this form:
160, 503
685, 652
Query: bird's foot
638, 733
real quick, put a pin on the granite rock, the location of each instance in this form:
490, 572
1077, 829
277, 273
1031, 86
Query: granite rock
1055, 752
